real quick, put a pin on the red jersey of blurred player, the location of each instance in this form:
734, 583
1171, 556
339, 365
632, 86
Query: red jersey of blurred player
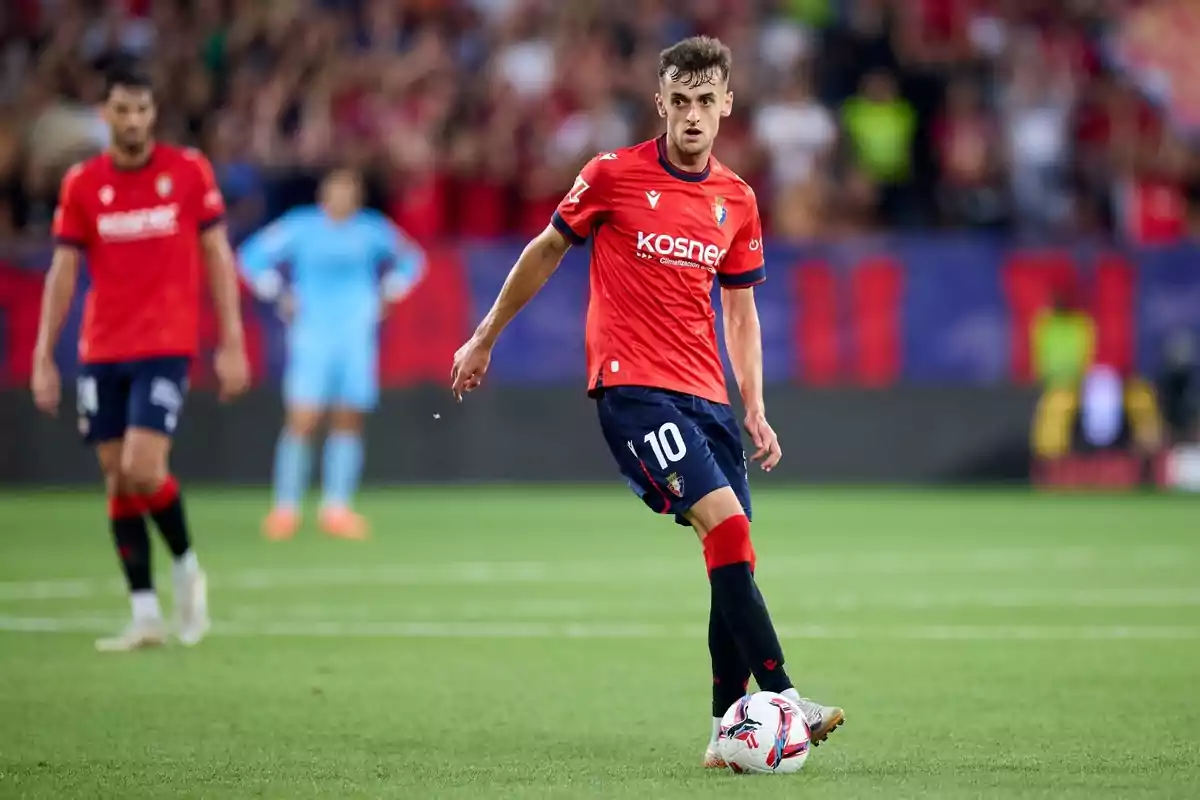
140, 232
660, 235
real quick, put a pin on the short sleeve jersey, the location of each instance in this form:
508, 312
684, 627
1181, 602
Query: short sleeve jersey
660, 236
139, 231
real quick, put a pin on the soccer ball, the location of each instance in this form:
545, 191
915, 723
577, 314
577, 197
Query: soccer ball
764, 732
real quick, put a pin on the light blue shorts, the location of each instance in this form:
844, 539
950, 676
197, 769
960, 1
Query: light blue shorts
325, 371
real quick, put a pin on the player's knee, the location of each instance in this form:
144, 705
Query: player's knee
115, 485
714, 508
346, 420
141, 472
302, 422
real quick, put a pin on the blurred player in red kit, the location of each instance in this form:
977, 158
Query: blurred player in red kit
665, 219
145, 215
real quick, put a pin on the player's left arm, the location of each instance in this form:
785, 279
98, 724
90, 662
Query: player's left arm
742, 269
405, 259
232, 367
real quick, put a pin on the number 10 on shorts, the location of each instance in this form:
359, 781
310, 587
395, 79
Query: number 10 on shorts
667, 444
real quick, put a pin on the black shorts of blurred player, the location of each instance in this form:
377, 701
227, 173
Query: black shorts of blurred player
129, 411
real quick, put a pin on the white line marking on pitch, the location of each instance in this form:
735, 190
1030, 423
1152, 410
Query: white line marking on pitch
542, 572
588, 630
675, 605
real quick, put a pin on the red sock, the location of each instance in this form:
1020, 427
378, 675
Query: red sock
729, 543
124, 506
163, 496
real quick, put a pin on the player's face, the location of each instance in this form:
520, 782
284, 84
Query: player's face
130, 115
693, 107
341, 194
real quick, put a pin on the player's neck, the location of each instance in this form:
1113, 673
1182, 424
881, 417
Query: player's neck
131, 161
337, 218
687, 163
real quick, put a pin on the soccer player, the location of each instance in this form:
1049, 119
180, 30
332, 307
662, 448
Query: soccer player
335, 252
145, 215
666, 218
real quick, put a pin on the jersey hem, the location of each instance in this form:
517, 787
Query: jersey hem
596, 390
190, 355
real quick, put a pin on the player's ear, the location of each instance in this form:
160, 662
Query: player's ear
727, 104
660, 104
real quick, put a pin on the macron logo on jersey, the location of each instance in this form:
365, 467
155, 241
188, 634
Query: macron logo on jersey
142, 223
679, 251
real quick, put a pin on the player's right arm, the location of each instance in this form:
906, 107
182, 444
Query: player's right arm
577, 214
71, 235
261, 255
537, 263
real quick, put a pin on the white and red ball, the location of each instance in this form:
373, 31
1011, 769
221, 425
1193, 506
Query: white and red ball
764, 732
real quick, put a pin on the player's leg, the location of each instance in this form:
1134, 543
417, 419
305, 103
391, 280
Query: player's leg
722, 520
341, 470
355, 393
293, 465
731, 676
155, 405
103, 398
731, 671
666, 459
305, 392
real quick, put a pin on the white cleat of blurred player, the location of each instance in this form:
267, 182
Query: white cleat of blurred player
141, 632
191, 601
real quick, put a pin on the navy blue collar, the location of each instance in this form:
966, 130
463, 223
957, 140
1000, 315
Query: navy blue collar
676, 172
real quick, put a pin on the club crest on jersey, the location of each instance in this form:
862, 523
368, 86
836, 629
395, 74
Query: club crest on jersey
106, 194
719, 210
162, 185
675, 484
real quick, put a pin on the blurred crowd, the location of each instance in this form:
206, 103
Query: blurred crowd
472, 116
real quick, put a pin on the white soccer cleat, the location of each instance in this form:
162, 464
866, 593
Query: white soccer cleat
822, 720
191, 606
140, 633
712, 757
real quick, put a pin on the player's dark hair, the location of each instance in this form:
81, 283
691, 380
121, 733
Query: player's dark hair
126, 75
695, 61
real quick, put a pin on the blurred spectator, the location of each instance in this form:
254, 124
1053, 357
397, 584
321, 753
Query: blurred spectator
798, 134
1036, 107
1064, 343
880, 127
1179, 388
968, 153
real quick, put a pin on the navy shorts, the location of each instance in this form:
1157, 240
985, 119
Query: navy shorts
673, 448
147, 393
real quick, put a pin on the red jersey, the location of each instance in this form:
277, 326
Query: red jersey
660, 235
139, 230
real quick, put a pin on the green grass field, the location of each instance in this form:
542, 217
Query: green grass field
550, 643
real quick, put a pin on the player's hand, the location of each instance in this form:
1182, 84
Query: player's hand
285, 307
46, 385
470, 363
767, 450
233, 371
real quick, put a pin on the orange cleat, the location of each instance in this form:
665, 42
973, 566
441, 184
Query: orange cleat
342, 523
281, 524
